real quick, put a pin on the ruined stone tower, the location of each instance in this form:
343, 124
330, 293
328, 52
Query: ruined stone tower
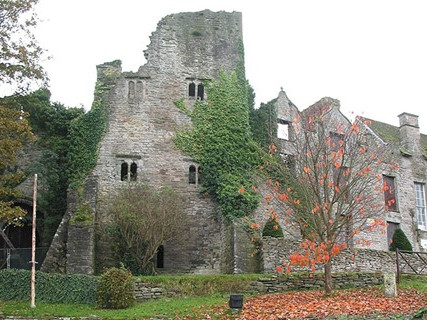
186, 50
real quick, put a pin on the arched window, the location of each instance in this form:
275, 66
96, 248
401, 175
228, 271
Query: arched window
199, 175
140, 89
192, 175
192, 90
131, 94
124, 171
133, 171
200, 91
160, 257
272, 229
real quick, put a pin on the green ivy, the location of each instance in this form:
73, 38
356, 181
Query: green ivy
263, 123
50, 287
221, 143
85, 135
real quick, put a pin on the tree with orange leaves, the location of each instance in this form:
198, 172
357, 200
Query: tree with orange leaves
332, 194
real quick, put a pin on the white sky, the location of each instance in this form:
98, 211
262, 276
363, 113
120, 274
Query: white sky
369, 54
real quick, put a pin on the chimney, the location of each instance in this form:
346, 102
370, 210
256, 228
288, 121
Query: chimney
409, 134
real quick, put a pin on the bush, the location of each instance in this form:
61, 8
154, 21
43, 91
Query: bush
272, 229
400, 241
115, 289
50, 287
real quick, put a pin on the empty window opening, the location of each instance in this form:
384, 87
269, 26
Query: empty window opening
124, 171
391, 229
131, 93
133, 171
283, 129
140, 89
389, 194
200, 92
199, 175
160, 257
420, 199
192, 175
192, 89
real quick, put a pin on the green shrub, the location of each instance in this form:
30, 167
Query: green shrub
272, 229
400, 241
50, 287
115, 289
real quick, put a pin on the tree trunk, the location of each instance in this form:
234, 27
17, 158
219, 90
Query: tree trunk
328, 278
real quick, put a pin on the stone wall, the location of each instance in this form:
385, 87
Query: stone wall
276, 251
186, 48
301, 282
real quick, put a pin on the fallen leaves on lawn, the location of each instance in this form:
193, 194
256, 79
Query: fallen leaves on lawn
313, 304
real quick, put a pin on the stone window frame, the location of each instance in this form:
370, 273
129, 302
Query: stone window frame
136, 89
395, 206
199, 86
421, 217
195, 177
131, 161
391, 225
284, 125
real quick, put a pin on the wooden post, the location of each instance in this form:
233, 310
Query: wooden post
397, 266
33, 246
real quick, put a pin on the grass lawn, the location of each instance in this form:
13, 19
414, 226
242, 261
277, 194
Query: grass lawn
256, 307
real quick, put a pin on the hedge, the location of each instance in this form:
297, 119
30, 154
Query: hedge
50, 287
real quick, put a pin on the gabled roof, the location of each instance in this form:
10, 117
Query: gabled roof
391, 134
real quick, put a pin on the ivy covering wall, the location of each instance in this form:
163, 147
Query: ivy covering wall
221, 142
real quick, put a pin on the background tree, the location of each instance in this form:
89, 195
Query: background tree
50, 123
20, 53
330, 194
144, 219
14, 133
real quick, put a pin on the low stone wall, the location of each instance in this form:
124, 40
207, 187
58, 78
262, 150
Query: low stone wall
276, 251
304, 281
269, 284
147, 291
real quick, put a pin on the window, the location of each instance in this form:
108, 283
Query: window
192, 175
124, 171
391, 229
420, 199
337, 141
131, 93
389, 193
195, 175
200, 91
199, 175
192, 89
283, 129
160, 263
339, 176
126, 174
133, 171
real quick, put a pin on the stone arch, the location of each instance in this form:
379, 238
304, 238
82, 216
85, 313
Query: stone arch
200, 91
124, 170
21, 237
272, 229
133, 171
131, 92
192, 174
160, 258
192, 90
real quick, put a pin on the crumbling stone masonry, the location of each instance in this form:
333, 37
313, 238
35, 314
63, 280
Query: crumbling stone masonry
186, 50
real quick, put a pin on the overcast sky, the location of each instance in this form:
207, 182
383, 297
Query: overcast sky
369, 54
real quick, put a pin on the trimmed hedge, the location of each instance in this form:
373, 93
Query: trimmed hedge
400, 241
50, 287
115, 289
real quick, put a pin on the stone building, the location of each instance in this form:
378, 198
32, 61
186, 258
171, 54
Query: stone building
186, 50
405, 146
